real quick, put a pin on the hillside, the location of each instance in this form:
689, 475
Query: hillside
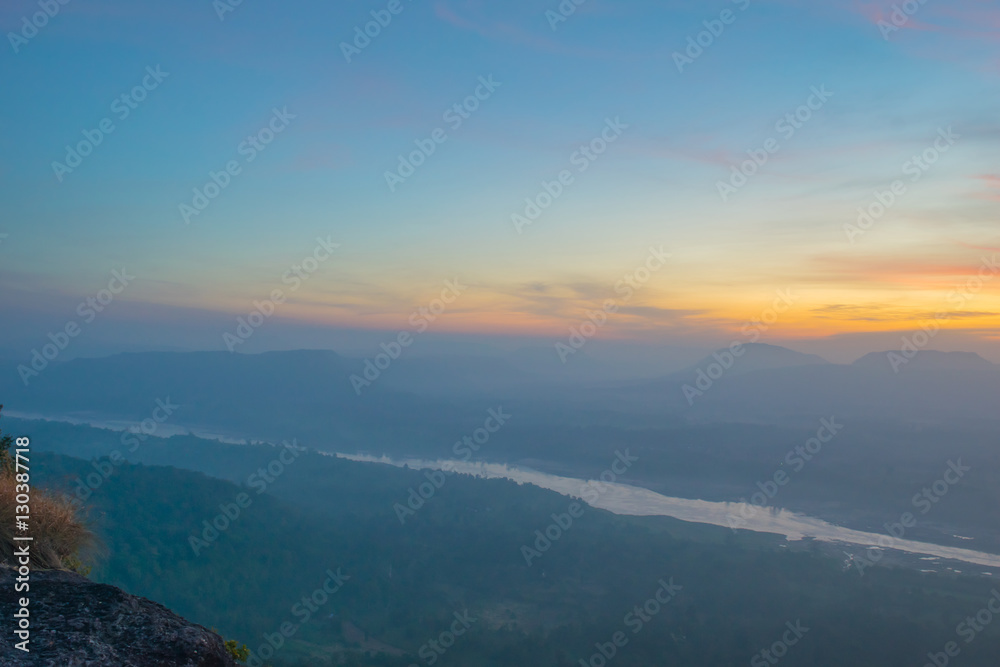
403, 584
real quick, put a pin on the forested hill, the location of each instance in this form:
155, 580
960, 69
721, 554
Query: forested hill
459, 563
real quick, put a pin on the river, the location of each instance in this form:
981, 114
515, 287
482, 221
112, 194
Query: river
622, 499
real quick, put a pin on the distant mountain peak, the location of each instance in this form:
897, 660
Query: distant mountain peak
763, 356
927, 359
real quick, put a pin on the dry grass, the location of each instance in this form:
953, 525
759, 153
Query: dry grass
59, 533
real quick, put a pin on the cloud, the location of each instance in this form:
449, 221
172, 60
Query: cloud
879, 312
915, 268
992, 193
660, 315
964, 33
885, 13
504, 30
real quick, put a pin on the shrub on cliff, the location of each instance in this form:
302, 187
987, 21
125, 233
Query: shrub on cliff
59, 535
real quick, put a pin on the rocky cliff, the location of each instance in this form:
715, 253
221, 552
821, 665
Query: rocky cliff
78, 623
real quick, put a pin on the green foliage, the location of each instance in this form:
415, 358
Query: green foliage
239, 652
75, 564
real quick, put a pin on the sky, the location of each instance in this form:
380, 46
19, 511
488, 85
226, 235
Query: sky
598, 160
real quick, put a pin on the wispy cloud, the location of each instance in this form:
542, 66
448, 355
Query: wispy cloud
473, 18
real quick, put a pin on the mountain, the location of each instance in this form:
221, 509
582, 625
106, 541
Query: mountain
770, 384
925, 360
718, 368
272, 395
751, 357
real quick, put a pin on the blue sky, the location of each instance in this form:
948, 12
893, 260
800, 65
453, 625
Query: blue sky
656, 185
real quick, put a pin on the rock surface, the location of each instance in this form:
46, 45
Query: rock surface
78, 623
